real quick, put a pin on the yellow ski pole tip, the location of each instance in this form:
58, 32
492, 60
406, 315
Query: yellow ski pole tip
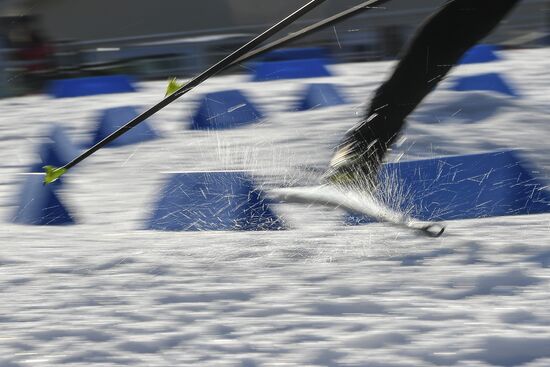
173, 85
53, 174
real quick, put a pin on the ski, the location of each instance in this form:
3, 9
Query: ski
54, 173
356, 202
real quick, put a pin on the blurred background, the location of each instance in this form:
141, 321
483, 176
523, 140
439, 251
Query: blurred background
52, 39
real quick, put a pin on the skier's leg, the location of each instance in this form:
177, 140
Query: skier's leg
435, 49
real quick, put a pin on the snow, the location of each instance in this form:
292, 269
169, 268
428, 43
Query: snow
105, 292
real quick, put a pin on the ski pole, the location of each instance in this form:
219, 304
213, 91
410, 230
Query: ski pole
53, 173
346, 14
370, 4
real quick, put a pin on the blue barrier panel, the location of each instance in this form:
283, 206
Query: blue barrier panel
468, 186
39, 205
57, 151
320, 95
225, 110
465, 108
89, 86
488, 82
212, 201
290, 69
480, 54
113, 119
286, 54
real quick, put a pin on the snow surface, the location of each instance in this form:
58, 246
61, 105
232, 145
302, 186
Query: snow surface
105, 293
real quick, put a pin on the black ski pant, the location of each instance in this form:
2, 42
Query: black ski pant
438, 45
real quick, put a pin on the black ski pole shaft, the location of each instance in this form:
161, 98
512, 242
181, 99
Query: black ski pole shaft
215, 69
337, 18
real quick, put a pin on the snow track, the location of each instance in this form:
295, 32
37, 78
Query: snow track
105, 293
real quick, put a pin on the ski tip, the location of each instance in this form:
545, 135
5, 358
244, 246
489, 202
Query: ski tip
53, 174
434, 230
173, 86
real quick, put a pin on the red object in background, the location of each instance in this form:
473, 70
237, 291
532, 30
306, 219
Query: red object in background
37, 53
